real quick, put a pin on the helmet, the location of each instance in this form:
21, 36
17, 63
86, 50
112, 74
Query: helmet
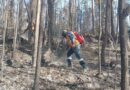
64, 32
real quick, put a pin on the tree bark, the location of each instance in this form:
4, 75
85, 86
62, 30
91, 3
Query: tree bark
39, 38
50, 21
16, 31
100, 33
10, 13
33, 28
70, 15
113, 33
93, 16
123, 46
107, 31
34, 9
4, 38
20, 21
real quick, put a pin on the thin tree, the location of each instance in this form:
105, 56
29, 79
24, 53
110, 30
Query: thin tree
106, 33
20, 21
33, 9
31, 13
31, 20
50, 21
39, 36
32, 24
113, 33
93, 16
78, 17
73, 14
4, 37
16, 31
10, 13
123, 12
10, 25
100, 32
70, 15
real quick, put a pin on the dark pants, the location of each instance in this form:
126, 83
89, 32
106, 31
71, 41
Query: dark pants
76, 51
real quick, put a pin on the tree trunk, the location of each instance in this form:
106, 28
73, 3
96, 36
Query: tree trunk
32, 22
70, 15
112, 24
16, 31
35, 37
73, 12
123, 46
100, 33
35, 50
4, 37
39, 38
20, 21
46, 29
93, 16
50, 21
10, 25
10, 13
34, 9
75, 16
78, 17
107, 30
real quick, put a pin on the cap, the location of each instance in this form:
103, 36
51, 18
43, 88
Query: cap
64, 32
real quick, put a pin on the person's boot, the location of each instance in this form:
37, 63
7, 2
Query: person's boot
69, 63
83, 64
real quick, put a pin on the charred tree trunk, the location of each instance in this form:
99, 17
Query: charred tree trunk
107, 30
123, 46
50, 22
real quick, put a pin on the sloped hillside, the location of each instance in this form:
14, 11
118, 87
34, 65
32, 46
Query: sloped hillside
55, 75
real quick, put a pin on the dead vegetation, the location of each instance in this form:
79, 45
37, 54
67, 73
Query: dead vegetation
55, 75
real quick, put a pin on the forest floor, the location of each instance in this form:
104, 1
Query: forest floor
57, 76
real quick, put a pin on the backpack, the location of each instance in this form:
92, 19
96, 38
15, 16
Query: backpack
79, 37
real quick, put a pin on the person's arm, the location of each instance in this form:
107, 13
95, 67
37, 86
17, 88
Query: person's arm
71, 37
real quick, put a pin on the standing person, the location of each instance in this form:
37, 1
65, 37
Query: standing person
73, 46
